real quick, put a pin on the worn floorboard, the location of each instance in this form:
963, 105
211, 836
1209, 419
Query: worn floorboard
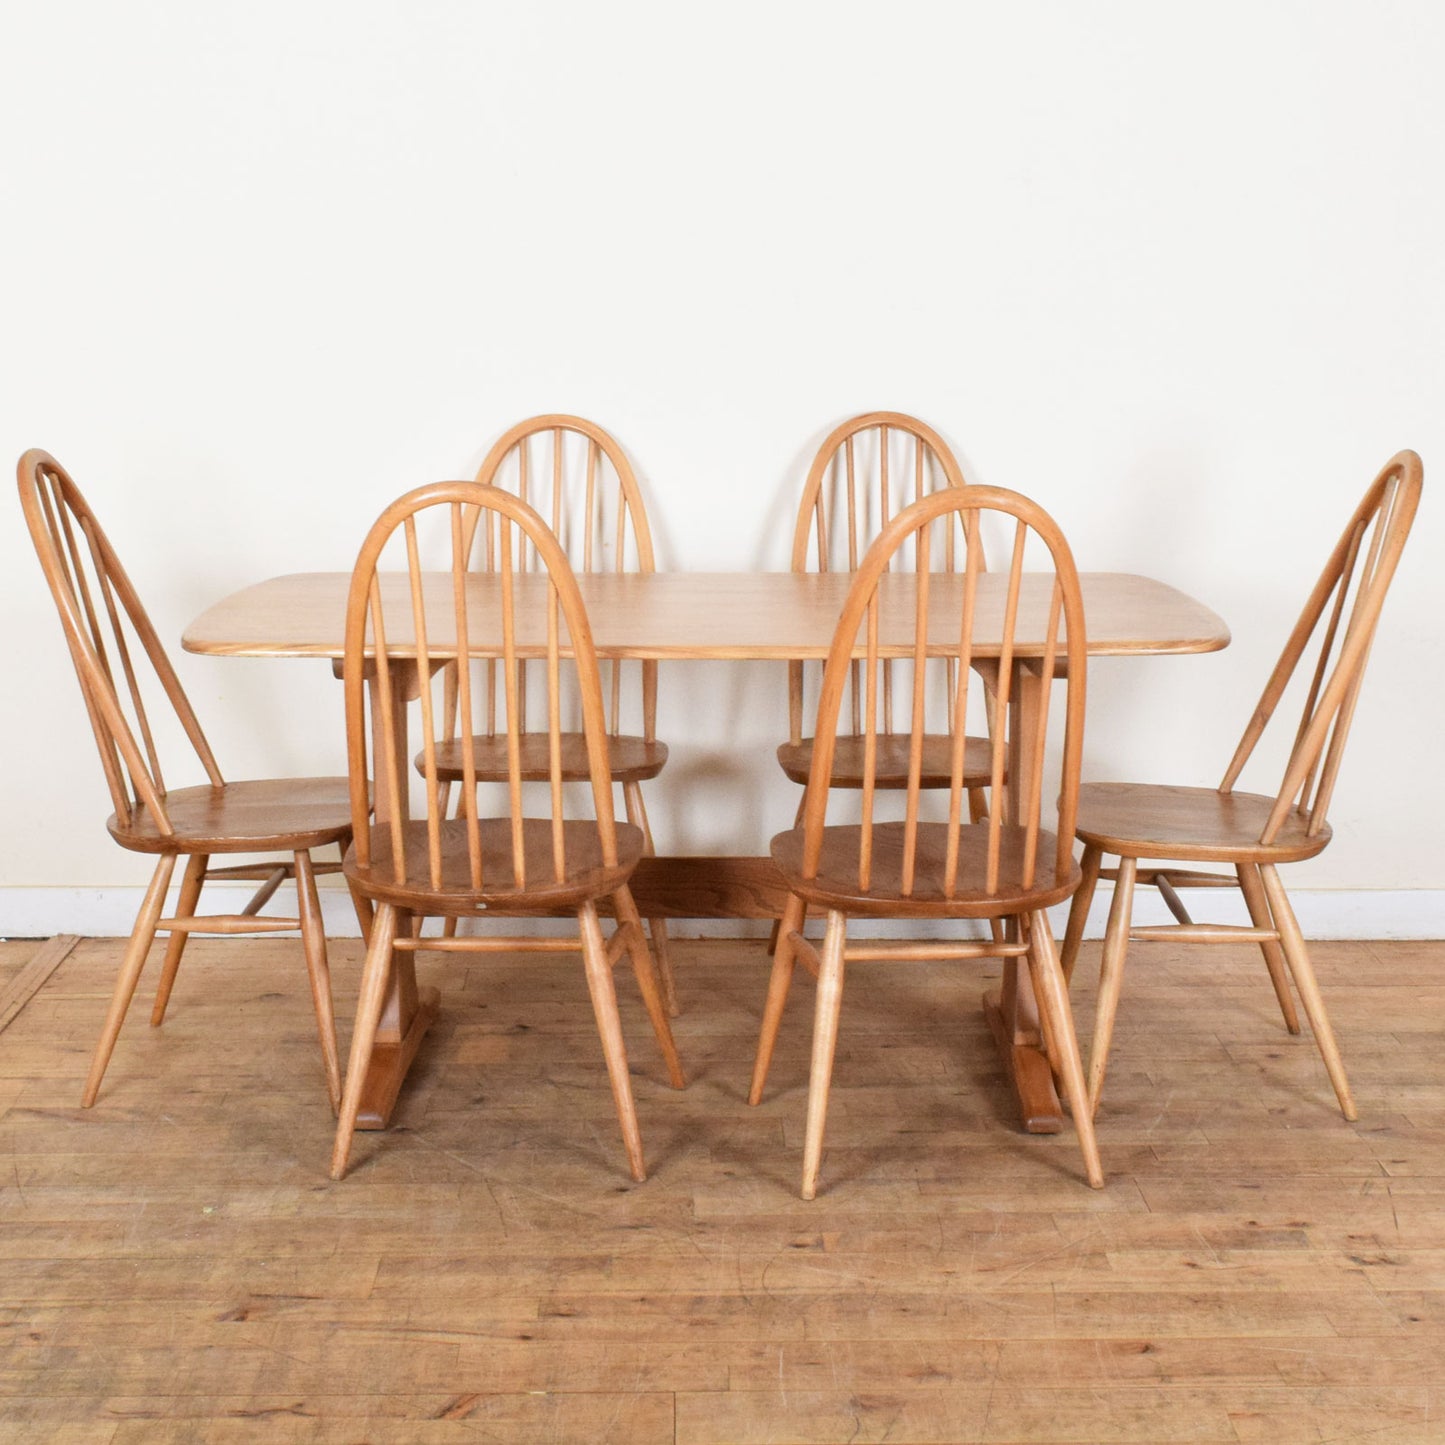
175, 1264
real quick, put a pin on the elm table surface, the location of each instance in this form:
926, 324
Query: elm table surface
725, 616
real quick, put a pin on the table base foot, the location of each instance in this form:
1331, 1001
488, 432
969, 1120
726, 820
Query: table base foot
390, 1062
1027, 1067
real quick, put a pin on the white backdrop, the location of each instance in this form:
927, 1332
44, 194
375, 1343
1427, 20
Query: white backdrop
1174, 271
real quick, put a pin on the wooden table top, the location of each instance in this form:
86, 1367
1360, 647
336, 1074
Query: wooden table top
722, 615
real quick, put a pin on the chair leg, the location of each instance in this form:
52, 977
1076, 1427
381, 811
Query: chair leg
825, 1042
657, 927
647, 984
978, 813
657, 931
1297, 954
1046, 1033
609, 1028
131, 965
375, 975
1274, 959
1079, 909
313, 944
782, 976
775, 932
186, 900
1111, 977
1052, 992
360, 903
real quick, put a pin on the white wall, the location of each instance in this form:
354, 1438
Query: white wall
1174, 271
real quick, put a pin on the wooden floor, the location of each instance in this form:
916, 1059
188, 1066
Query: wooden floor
177, 1266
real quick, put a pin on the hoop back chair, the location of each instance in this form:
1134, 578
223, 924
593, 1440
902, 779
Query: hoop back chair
581, 482
468, 865
118, 660
1254, 833
1004, 867
864, 472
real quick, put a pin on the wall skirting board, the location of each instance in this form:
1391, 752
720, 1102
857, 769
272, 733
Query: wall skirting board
1323, 913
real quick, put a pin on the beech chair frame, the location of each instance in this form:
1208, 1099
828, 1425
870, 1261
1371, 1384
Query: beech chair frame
816, 530
608, 531
99, 607
847, 501
1005, 867
1339, 617
470, 866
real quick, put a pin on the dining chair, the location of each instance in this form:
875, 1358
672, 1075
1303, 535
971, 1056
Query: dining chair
580, 480
865, 471
1149, 825
468, 865
119, 659
1006, 866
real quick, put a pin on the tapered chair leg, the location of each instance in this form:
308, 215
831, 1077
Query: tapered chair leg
313, 943
609, 1029
186, 899
657, 927
647, 984
978, 813
657, 932
1252, 887
1295, 951
1111, 977
131, 964
784, 957
1079, 909
375, 975
360, 904
773, 935
1046, 1023
776, 931
1052, 992
825, 1042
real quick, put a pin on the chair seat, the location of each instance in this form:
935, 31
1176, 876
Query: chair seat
891, 768
586, 875
262, 815
630, 759
1146, 820
836, 885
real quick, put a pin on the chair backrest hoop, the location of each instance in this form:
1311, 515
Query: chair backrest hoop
1343, 610
1063, 659
97, 606
932, 457
437, 626
595, 534
867, 506
633, 513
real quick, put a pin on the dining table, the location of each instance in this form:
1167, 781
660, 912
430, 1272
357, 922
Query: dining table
731, 617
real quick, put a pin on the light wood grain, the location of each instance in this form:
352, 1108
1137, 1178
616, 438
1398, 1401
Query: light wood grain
125, 677
760, 616
1004, 867
719, 615
581, 482
526, 859
48, 957
865, 471
178, 1268
1252, 833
